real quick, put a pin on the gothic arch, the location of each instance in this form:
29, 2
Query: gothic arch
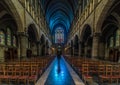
103, 14
42, 39
110, 36
86, 41
86, 29
42, 43
13, 12
32, 29
116, 16
76, 45
47, 47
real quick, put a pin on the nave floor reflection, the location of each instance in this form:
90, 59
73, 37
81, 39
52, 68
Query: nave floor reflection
59, 74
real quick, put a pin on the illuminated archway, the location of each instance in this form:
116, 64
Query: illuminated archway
59, 35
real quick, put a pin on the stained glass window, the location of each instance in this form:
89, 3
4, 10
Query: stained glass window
2, 38
117, 38
8, 37
14, 41
59, 35
111, 41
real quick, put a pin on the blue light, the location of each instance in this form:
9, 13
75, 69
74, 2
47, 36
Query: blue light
59, 74
59, 12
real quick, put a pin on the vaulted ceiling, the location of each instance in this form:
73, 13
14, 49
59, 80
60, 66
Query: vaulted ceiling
59, 13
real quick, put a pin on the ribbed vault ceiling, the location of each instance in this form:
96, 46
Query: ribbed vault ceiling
59, 12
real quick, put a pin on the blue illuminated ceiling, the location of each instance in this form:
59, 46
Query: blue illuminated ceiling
59, 12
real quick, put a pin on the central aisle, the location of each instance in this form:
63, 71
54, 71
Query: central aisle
59, 74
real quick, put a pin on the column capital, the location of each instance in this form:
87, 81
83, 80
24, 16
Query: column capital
22, 34
96, 35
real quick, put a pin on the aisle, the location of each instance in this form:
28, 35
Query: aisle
59, 74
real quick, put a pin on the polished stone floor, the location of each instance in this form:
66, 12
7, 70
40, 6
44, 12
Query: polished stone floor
59, 73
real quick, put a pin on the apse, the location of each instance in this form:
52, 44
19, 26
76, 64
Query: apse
59, 14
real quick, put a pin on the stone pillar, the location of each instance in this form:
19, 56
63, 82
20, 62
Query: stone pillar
73, 50
23, 44
45, 50
95, 45
119, 58
2, 50
38, 48
85, 50
42, 50
79, 50
70, 52
48, 50
34, 49
101, 50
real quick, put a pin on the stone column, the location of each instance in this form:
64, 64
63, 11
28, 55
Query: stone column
101, 50
85, 50
73, 50
34, 49
119, 58
2, 55
48, 51
69, 53
119, 46
42, 51
79, 50
95, 45
23, 44
38, 49
45, 50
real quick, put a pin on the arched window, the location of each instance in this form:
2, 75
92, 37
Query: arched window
59, 35
8, 36
2, 38
118, 38
14, 41
113, 40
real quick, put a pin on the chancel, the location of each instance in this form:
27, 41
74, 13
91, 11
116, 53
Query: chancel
59, 42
